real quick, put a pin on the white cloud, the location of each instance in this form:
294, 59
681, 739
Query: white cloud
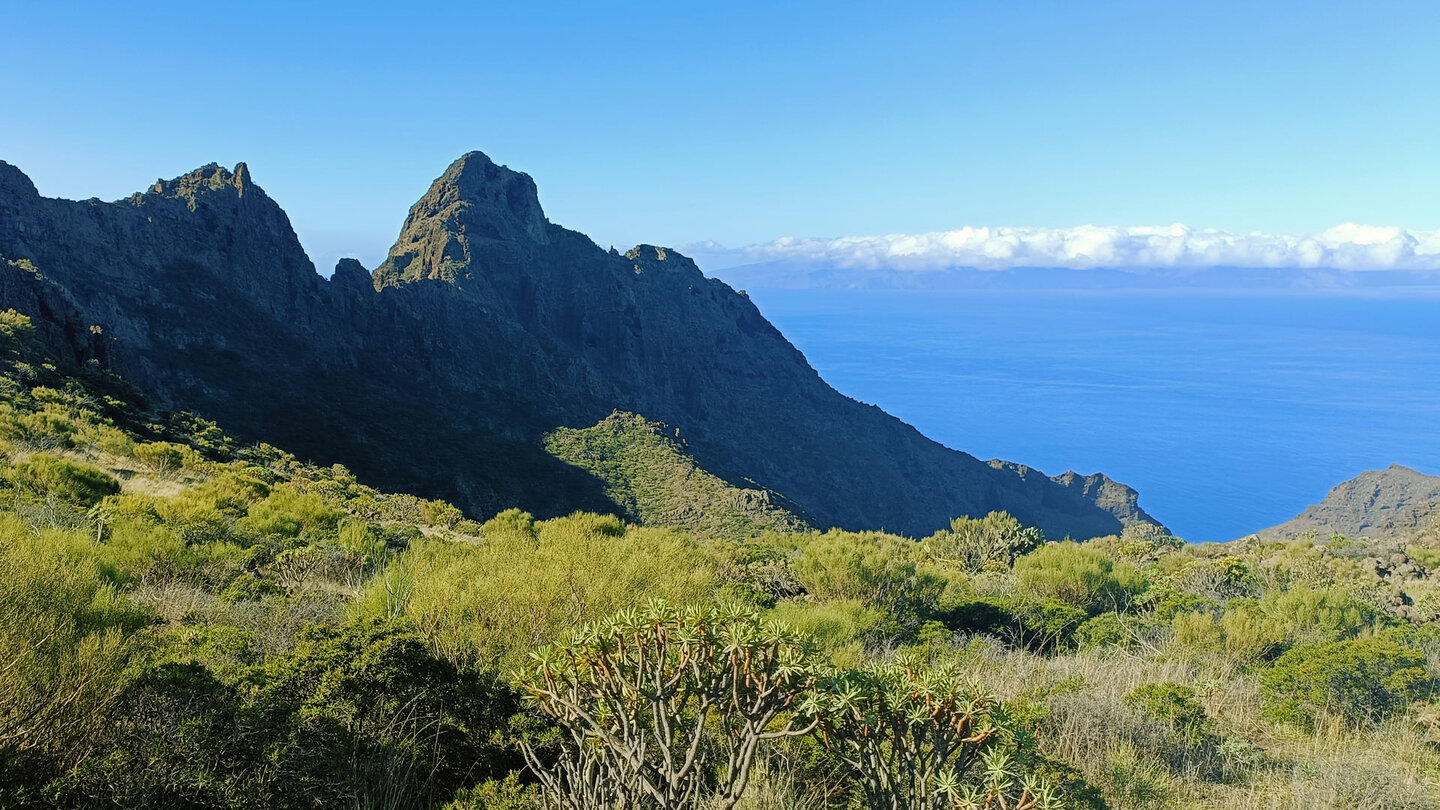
1343, 247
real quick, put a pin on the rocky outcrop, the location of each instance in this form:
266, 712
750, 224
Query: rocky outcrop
1378, 503
486, 328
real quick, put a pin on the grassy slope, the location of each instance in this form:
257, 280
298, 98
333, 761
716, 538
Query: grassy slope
220, 556
649, 473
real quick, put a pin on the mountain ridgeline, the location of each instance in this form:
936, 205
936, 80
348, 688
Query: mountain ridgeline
485, 330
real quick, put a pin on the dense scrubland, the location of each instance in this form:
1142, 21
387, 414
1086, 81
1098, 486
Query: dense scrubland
191, 623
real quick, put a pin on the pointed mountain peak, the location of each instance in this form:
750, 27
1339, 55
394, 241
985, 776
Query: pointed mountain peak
14, 183
211, 177
476, 203
472, 161
350, 274
489, 191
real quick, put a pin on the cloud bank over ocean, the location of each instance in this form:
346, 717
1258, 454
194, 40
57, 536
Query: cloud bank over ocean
1343, 247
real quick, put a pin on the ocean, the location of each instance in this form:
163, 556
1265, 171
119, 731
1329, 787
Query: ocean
1228, 412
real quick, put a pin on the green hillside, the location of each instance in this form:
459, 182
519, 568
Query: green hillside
648, 472
195, 623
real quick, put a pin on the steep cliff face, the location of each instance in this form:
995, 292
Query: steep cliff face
59, 324
485, 328
1377, 503
180, 275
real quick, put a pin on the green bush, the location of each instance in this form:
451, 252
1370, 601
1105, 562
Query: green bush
1251, 630
1134, 779
973, 544
1079, 576
374, 695
1107, 630
164, 458
84, 486
177, 731
1041, 625
289, 514
1361, 681
878, 569
137, 550
66, 642
529, 581
497, 794
842, 627
757, 573
248, 587
360, 715
1139, 541
43, 430
1164, 602
1174, 703
1318, 614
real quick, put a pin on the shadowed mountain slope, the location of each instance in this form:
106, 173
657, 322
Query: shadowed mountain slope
487, 328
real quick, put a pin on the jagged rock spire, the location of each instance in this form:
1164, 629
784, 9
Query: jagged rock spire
475, 201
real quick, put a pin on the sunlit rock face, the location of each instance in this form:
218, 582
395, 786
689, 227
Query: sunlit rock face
1377, 503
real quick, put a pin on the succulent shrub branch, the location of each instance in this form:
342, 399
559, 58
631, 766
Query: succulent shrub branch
657, 703
919, 737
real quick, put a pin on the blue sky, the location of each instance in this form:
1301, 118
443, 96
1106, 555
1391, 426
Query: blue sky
743, 123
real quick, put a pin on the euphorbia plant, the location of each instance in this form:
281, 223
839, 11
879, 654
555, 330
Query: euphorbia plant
919, 737
666, 707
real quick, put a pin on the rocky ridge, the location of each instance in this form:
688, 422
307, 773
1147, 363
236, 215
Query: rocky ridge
1377, 503
486, 328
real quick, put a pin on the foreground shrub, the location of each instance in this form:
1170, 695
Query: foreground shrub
497, 794
43, 475
1079, 576
637, 696
530, 582
360, 715
878, 569
973, 544
1360, 681
372, 698
924, 738
1174, 703
66, 642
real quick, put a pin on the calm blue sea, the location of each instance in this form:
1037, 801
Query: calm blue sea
1229, 413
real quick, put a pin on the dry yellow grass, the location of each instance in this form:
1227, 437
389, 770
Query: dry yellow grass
1395, 766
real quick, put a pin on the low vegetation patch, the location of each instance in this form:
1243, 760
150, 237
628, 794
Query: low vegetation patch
190, 622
